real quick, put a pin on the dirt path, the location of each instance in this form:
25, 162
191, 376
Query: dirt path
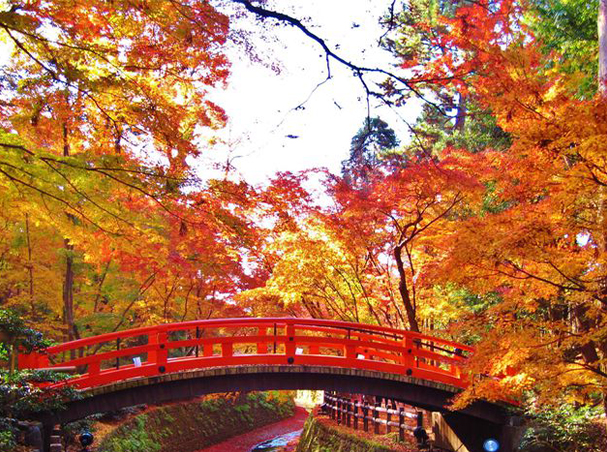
244, 443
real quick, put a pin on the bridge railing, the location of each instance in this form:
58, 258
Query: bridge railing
169, 348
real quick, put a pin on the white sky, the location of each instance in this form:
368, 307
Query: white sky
260, 103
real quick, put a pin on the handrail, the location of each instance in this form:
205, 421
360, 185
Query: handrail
199, 344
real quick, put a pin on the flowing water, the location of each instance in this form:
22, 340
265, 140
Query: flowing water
278, 443
262, 439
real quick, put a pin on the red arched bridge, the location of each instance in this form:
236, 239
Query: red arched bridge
178, 361
177, 347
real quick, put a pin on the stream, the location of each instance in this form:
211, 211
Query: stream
278, 443
270, 438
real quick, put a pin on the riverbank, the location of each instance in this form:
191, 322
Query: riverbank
190, 426
245, 442
323, 434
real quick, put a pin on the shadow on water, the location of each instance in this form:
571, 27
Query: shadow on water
276, 444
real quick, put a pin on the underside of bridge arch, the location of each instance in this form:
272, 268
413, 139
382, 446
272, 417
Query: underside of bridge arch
480, 420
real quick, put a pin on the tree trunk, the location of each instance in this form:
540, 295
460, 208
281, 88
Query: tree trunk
602, 90
68, 283
404, 290
100, 286
460, 119
30, 266
602, 29
68, 292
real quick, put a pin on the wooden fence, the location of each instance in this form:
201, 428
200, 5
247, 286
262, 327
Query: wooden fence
352, 413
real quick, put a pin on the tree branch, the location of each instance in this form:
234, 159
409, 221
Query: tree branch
359, 71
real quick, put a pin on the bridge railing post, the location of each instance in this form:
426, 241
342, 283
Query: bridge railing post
227, 349
408, 358
290, 343
350, 349
153, 343
351, 352
93, 369
118, 349
355, 410
455, 368
197, 352
366, 416
33, 360
207, 349
159, 354
262, 347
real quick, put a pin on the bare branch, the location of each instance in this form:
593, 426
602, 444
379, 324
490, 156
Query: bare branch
359, 71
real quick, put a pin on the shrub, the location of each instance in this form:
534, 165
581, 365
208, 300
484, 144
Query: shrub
7, 436
565, 428
136, 439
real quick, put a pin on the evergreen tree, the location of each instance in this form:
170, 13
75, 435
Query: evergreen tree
371, 146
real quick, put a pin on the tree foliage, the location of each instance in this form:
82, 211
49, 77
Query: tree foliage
568, 28
21, 396
371, 147
489, 226
101, 118
541, 244
565, 428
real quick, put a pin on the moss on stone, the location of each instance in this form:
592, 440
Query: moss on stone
317, 437
194, 425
